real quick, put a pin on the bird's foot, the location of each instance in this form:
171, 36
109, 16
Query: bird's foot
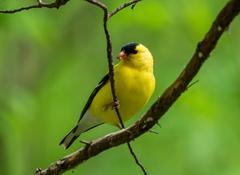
115, 105
112, 105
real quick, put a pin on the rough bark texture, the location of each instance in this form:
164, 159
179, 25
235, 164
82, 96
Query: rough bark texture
56, 4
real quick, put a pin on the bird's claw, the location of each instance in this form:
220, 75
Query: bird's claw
115, 105
112, 105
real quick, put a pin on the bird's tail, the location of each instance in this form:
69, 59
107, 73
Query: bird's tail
86, 123
70, 137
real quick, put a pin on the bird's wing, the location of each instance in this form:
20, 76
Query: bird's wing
93, 94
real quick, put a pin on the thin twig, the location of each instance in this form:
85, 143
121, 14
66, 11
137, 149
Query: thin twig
57, 4
99, 4
191, 84
162, 104
127, 4
136, 159
106, 17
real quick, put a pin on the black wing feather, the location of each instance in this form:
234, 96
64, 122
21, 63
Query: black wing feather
93, 94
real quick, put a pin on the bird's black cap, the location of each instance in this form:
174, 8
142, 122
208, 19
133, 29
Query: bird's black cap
130, 48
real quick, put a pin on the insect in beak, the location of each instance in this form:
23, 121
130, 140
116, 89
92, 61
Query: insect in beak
122, 56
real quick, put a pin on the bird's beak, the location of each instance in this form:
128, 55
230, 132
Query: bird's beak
122, 56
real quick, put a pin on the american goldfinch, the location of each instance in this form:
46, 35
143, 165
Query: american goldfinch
134, 85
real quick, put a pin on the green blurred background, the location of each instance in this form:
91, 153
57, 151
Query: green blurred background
50, 61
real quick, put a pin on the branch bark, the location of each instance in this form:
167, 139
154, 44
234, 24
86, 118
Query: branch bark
56, 4
160, 107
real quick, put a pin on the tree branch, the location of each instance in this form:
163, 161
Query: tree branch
57, 4
127, 4
160, 107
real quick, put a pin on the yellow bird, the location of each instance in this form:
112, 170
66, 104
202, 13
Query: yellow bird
134, 85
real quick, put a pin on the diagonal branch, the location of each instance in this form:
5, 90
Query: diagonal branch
160, 107
57, 4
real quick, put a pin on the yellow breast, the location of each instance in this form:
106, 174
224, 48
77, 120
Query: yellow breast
133, 86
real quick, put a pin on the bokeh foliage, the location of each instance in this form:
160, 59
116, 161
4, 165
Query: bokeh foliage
50, 60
